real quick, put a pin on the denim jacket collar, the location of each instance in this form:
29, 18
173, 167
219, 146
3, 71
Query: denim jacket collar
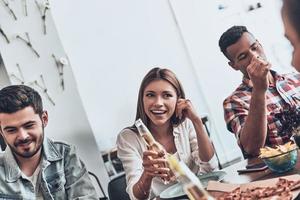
50, 152
12, 170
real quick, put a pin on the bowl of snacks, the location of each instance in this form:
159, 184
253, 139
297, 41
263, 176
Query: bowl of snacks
280, 159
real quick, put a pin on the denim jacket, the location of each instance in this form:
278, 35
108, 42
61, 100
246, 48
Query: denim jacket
63, 175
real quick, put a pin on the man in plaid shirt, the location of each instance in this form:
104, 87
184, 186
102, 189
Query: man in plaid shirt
250, 110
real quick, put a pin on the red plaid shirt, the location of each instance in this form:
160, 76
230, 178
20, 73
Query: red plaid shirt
282, 95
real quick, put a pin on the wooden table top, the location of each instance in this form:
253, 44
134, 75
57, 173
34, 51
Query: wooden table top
232, 176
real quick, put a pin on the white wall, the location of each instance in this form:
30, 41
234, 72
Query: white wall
112, 46
4, 80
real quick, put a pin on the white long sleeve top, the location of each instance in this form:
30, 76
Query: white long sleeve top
131, 147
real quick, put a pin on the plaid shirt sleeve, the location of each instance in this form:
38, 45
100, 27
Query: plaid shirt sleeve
236, 110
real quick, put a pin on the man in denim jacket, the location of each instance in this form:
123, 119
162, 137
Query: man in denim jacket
33, 166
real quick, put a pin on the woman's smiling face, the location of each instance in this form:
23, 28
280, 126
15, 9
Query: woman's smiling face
159, 100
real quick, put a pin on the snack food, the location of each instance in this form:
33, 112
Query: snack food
279, 149
281, 191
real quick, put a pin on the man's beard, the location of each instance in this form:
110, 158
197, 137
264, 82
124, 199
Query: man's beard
27, 154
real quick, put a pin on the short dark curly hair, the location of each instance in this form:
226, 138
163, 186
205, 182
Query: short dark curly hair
16, 97
230, 37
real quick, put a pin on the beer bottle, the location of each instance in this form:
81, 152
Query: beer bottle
191, 184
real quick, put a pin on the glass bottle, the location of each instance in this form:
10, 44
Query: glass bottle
152, 144
191, 184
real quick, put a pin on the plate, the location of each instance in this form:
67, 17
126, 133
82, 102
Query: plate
176, 191
212, 176
173, 192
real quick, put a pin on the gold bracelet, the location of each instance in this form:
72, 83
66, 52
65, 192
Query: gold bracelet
142, 189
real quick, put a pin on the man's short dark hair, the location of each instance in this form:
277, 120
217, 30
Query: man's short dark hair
230, 37
16, 97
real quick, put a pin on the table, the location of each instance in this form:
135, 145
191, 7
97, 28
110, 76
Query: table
234, 177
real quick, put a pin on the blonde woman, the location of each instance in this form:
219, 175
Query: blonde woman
175, 124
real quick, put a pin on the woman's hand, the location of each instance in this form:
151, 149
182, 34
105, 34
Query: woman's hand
205, 148
155, 164
185, 108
